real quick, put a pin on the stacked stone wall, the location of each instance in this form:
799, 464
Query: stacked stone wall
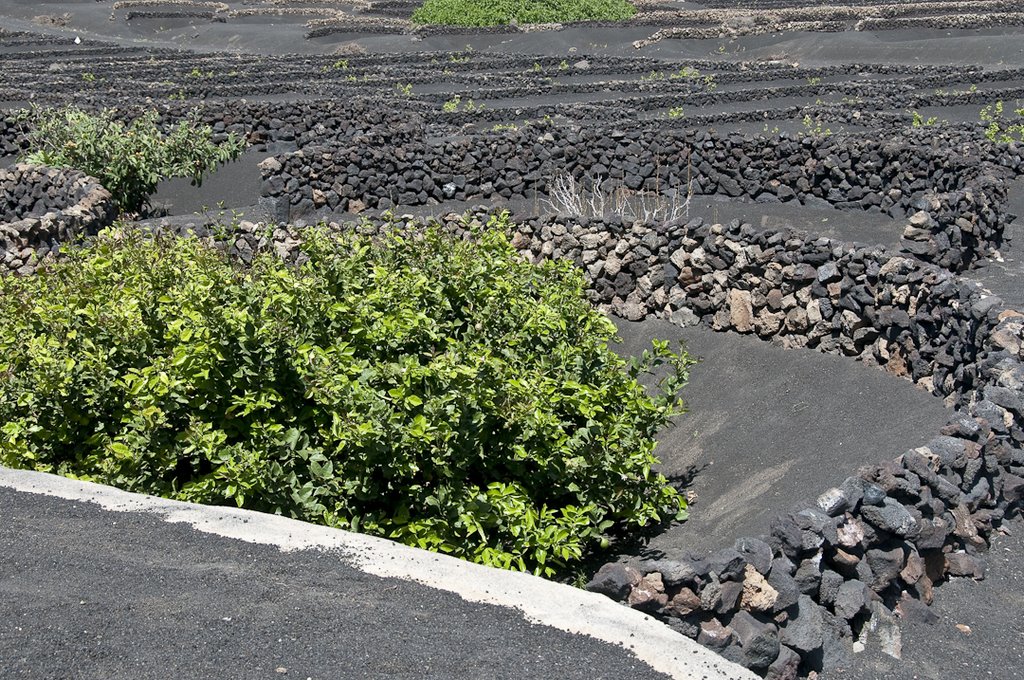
951, 198
42, 208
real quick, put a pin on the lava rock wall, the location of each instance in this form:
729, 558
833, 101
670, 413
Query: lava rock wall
874, 548
952, 200
41, 208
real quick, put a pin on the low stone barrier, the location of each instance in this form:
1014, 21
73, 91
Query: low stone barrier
42, 207
951, 198
872, 551
876, 547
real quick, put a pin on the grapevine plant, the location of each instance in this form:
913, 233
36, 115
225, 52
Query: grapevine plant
128, 158
439, 391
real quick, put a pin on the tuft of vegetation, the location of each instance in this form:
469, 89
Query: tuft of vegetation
455, 104
339, 65
129, 159
499, 12
439, 391
1002, 129
917, 120
684, 73
814, 126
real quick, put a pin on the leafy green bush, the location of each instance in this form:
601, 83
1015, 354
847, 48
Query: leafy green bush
497, 12
128, 159
438, 391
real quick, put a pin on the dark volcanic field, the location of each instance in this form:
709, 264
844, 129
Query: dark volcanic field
770, 427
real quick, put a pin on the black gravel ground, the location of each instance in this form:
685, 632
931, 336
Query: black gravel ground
769, 429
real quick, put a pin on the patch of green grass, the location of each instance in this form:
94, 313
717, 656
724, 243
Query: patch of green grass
498, 12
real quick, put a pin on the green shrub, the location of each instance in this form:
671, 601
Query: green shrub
438, 391
497, 12
128, 159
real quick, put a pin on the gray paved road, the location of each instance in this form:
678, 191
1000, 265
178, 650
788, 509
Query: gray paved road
86, 592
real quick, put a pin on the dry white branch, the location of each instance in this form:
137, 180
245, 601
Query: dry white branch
593, 198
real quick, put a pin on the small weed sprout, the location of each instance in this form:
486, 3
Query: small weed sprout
685, 73
404, 90
455, 104
920, 121
814, 127
999, 129
340, 65
462, 56
452, 105
676, 112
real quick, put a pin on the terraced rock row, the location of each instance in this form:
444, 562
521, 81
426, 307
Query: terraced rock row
513, 88
952, 201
